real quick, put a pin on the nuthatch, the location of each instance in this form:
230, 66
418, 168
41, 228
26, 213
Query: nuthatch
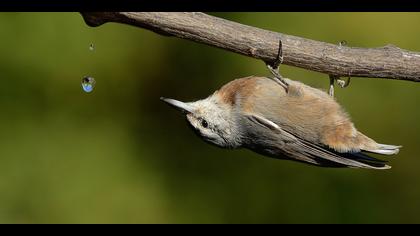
292, 121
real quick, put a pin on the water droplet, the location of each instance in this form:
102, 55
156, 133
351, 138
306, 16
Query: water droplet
88, 83
342, 43
91, 47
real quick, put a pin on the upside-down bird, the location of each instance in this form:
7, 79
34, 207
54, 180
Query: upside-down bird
299, 123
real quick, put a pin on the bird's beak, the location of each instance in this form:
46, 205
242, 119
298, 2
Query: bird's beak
182, 106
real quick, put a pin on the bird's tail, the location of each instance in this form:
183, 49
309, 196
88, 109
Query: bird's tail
372, 162
327, 157
354, 160
385, 149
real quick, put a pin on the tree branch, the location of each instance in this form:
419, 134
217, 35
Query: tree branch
388, 62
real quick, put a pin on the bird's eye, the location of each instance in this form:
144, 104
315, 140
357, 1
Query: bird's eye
204, 123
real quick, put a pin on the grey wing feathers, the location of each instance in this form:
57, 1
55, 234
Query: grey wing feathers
271, 125
325, 155
303, 150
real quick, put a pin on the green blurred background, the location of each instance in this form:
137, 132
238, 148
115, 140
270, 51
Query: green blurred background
120, 155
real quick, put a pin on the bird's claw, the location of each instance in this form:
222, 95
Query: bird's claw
341, 82
273, 67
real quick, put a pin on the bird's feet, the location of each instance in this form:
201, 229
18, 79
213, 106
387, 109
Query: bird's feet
273, 67
341, 82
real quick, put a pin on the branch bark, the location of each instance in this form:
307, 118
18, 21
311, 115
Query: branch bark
388, 62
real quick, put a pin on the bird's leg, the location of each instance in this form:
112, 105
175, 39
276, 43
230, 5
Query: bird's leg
274, 68
331, 89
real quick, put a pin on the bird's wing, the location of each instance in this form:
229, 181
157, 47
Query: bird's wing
321, 155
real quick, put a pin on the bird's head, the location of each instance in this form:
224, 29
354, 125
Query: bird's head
211, 119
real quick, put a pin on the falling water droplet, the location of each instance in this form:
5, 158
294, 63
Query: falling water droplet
91, 47
88, 83
342, 43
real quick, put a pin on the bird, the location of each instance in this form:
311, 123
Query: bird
299, 123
